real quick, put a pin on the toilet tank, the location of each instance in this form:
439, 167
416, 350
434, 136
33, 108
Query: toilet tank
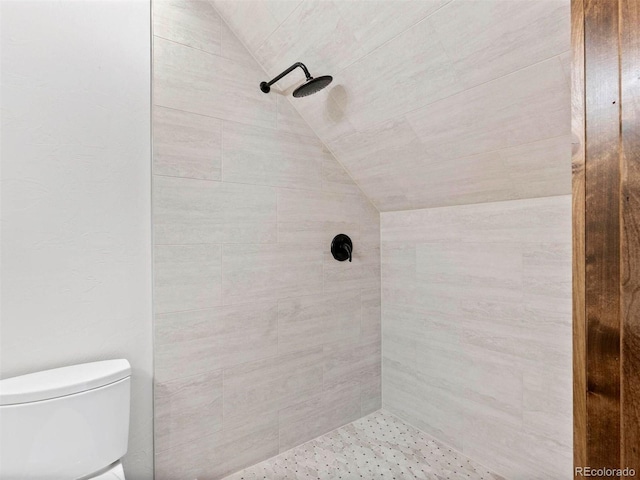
65, 423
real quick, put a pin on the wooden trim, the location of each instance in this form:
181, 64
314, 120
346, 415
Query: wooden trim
578, 200
630, 231
602, 237
606, 233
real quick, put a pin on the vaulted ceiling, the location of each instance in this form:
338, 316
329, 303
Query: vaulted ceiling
434, 102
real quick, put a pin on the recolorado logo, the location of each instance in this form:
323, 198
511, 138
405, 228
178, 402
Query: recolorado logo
605, 472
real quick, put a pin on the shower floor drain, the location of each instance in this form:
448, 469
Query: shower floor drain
378, 446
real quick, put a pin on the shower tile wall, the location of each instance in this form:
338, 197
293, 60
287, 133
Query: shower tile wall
477, 330
453, 102
262, 340
436, 103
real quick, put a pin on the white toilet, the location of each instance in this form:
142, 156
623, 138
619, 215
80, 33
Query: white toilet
65, 424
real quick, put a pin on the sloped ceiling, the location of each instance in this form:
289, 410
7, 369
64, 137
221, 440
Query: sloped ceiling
434, 102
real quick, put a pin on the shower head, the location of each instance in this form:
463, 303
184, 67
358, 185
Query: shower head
311, 86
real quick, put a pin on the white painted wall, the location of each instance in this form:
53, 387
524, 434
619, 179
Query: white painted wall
76, 258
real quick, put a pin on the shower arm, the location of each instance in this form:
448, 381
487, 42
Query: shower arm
266, 86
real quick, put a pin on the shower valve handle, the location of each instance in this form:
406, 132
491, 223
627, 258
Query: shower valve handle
348, 249
342, 247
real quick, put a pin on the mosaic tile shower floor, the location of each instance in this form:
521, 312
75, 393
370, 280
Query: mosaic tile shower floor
378, 446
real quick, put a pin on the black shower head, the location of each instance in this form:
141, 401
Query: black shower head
312, 85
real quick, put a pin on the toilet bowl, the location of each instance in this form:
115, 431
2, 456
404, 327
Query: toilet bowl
66, 424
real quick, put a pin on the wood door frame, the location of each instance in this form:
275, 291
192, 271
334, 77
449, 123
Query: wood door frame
605, 109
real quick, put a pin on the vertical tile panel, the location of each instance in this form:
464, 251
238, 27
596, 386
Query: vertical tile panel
187, 277
187, 409
308, 322
263, 157
190, 22
475, 299
188, 211
188, 79
262, 272
186, 145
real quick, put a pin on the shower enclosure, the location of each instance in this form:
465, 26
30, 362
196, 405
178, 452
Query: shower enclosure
447, 165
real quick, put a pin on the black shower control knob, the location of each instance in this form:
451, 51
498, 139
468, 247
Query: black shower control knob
342, 247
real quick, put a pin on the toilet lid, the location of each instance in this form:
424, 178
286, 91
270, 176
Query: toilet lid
59, 382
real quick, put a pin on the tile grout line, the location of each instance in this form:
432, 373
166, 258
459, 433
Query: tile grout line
300, 2
153, 269
386, 42
253, 125
221, 151
262, 185
465, 90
